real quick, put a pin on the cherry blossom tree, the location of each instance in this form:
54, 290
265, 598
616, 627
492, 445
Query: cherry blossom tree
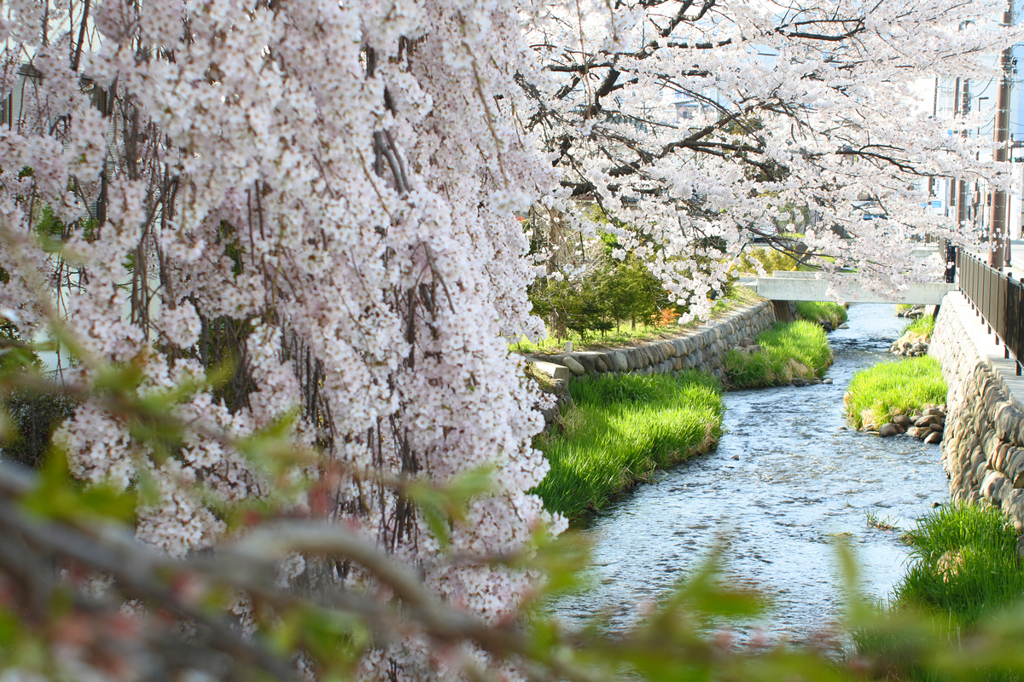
299, 219
706, 124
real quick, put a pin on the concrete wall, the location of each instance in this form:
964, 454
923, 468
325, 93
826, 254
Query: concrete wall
703, 349
983, 445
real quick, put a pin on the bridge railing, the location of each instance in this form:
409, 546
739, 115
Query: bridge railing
995, 297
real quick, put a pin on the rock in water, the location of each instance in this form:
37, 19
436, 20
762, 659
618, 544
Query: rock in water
902, 420
933, 438
887, 430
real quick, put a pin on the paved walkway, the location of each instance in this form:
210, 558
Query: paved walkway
988, 346
1016, 268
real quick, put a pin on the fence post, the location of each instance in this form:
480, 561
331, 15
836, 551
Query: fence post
987, 298
972, 290
975, 285
999, 311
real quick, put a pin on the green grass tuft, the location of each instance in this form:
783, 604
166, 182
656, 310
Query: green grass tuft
963, 563
620, 430
879, 393
963, 586
819, 311
922, 327
788, 350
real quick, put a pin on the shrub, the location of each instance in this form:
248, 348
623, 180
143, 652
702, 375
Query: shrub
879, 393
35, 416
608, 293
667, 317
620, 430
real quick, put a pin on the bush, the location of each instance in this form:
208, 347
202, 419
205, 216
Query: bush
879, 393
610, 292
627, 335
620, 430
788, 350
35, 416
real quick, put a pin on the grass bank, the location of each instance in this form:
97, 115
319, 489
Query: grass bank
878, 393
822, 311
787, 351
620, 430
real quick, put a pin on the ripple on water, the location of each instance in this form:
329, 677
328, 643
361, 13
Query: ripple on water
798, 482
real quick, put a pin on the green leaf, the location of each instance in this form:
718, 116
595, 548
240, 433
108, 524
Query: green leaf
58, 496
704, 596
271, 449
443, 506
335, 639
563, 560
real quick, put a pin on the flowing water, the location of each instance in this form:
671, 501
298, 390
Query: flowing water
784, 481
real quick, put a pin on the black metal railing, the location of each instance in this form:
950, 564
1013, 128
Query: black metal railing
997, 299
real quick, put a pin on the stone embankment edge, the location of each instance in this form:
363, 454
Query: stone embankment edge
702, 349
983, 446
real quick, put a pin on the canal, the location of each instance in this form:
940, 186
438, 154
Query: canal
785, 480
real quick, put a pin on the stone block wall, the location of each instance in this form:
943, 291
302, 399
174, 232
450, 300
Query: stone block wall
703, 348
983, 445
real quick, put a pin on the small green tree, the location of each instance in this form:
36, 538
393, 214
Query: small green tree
632, 291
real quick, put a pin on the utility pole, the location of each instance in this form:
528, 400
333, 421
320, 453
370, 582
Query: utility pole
964, 101
997, 237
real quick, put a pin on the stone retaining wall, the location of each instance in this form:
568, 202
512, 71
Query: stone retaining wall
703, 349
983, 445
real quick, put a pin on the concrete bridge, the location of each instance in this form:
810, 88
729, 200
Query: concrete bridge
804, 286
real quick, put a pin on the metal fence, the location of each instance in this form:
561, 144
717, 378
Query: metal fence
997, 299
